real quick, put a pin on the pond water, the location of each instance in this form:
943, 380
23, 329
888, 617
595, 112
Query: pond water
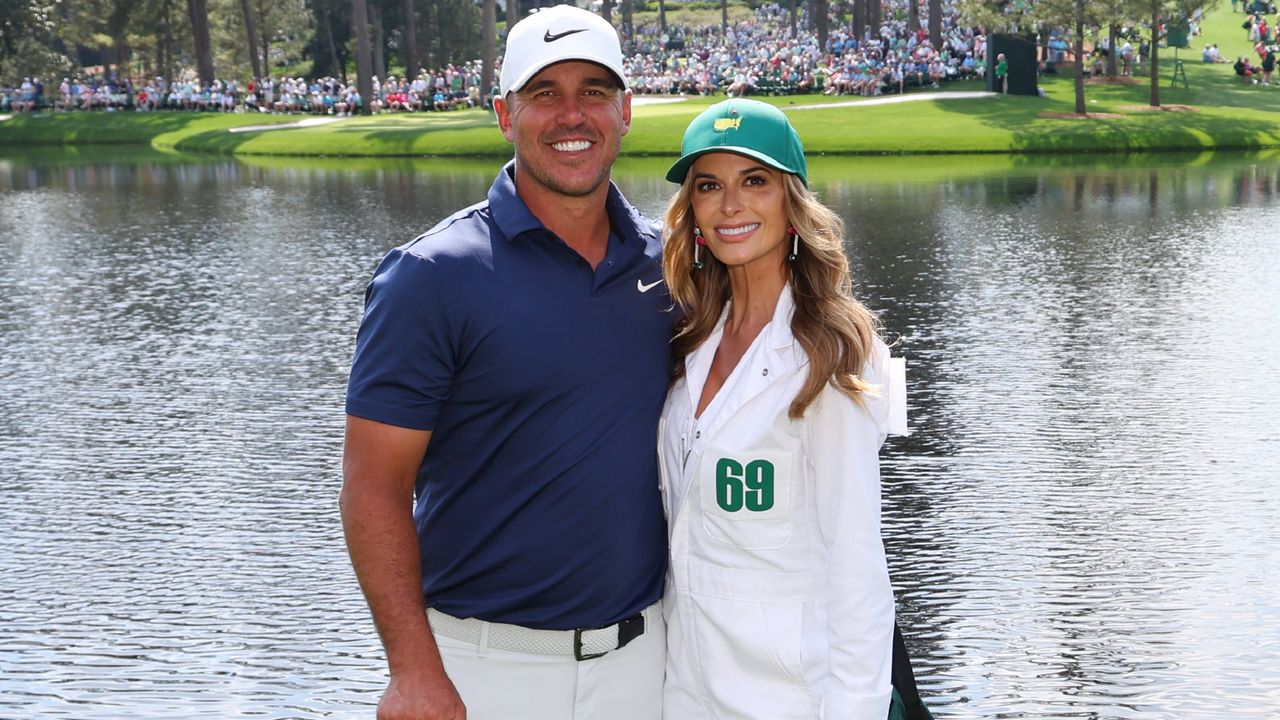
1082, 525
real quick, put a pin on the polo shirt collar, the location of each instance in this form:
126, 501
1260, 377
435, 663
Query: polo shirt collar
513, 217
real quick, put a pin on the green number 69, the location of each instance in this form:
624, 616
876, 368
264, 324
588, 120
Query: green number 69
738, 487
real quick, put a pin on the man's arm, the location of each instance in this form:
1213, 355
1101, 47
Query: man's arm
379, 465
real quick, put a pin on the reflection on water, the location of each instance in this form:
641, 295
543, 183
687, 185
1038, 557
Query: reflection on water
1080, 526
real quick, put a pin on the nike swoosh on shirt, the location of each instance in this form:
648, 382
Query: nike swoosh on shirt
548, 37
646, 288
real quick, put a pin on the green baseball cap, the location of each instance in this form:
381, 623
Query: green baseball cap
746, 127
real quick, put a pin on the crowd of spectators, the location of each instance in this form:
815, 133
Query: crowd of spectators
1259, 73
757, 56
761, 56
1265, 38
446, 89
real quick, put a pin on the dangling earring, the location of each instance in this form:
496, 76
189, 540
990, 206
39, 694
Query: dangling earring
795, 245
698, 242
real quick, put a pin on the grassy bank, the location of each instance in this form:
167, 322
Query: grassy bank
866, 169
1215, 112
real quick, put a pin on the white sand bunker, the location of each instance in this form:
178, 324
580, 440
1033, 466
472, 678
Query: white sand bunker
895, 99
309, 122
640, 100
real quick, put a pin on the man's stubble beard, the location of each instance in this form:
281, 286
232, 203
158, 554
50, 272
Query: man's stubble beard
550, 181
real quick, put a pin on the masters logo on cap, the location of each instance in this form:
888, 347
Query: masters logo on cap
746, 127
558, 34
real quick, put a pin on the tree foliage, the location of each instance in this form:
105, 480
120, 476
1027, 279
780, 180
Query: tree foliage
143, 38
29, 39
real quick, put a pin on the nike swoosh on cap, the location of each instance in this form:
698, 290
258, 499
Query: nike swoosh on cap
548, 37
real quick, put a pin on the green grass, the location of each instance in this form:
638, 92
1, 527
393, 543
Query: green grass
1229, 115
161, 130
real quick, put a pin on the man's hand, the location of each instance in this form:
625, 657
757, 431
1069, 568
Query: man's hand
424, 696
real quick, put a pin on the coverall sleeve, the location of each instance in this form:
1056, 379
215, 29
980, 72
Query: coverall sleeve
844, 441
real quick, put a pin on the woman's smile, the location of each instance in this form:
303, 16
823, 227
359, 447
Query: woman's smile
735, 232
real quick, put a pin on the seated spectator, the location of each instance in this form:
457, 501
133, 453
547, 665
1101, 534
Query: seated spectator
26, 96
743, 84
64, 96
897, 79
1244, 70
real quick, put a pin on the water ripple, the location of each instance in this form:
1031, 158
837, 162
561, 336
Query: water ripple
1081, 525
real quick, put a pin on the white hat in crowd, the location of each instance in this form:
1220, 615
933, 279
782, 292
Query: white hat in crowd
555, 35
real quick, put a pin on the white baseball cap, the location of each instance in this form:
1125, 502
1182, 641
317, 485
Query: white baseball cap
557, 34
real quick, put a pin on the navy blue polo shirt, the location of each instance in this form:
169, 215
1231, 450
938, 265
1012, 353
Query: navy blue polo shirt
541, 380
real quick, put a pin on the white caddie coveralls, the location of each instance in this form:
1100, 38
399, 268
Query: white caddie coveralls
778, 603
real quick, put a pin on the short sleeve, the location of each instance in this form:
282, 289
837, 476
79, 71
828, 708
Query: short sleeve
405, 354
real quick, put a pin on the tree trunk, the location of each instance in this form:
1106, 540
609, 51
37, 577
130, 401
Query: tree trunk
724, 17
199, 14
166, 44
1079, 48
364, 63
662, 16
120, 53
913, 15
628, 19
823, 27
856, 20
441, 39
606, 11
488, 48
251, 33
409, 38
875, 15
424, 40
513, 13
430, 53
1155, 58
158, 66
1112, 72
336, 68
935, 23
266, 55
377, 41
264, 39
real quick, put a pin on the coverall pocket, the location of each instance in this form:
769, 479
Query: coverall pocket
745, 497
750, 656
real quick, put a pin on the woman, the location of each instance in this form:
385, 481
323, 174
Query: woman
778, 600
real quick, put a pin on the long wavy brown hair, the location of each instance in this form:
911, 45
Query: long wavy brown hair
834, 329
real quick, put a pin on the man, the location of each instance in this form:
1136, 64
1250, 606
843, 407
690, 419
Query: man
509, 374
